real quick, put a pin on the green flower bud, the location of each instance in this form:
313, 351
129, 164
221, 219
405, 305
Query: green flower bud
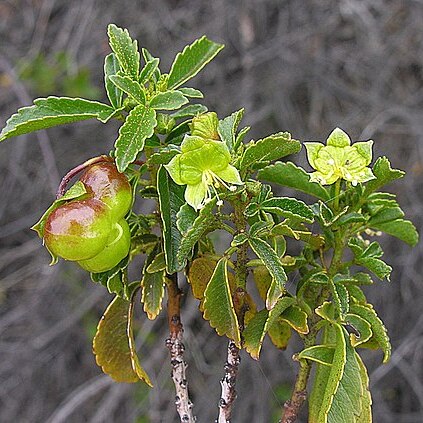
205, 126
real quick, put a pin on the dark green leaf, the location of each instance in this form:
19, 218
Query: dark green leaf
169, 100
185, 218
130, 87
126, 50
258, 326
164, 155
271, 260
113, 344
322, 354
171, 199
157, 264
228, 126
218, 304
362, 328
280, 334
289, 175
384, 175
399, 228
288, 207
268, 149
380, 335
296, 318
191, 60
112, 67
189, 111
340, 298
148, 70
53, 111
138, 126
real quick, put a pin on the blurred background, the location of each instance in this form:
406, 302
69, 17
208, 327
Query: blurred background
304, 67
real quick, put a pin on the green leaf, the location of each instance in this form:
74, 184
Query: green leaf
126, 50
384, 175
112, 67
53, 111
268, 149
191, 60
148, 70
289, 175
157, 264
380, 335
77, 190
130, 87
340, 298
169, 100
189, 111
199, 274
185, 218
337, 394
164, 155
263, 280
361, 326
138, 126
171, 199
399, 228
228, 126
201, 224
258, 326
271, 260
191, 92
218, 304
322, 354
280, 333
296, 318
288, 207
113, 344
152, 292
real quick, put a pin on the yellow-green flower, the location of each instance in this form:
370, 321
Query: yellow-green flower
338, 159
203, 165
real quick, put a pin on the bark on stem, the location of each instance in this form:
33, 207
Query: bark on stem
176, 348
228, 384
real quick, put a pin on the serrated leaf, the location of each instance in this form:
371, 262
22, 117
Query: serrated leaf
296, 318
158, 263
263, 280
271, 260
112, 67
189, 111
125, 49
218, 304
268, 149
199, 275
191, 60
171, 199
384, 175
315, 241
53, 111
152, 285
193, 234
337, 393
169, 100
322, 354
185, 218
258, 326
289, 175
129, 86
380, 335
164, 155
366, 398
113, 344
138, 126
363, 329
340, 298
191, 92
399, 228
227, 128
77, 190
148, 70
288, 207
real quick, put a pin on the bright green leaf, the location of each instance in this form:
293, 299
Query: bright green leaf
289, 175
218, 304
191, 60
191, 92
125, 49
169, 100
227, 128
130, 87
296, 318
189, 111
112, 67
138, 126
288, 207
399, 228
148, 70
152, 292
322, 354
53, 111
384, 175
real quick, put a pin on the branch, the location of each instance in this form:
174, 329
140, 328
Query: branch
176, 349
228, 384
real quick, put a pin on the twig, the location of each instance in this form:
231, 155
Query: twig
176, 348
228, 384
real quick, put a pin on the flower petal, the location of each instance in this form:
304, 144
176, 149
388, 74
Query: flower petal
338, 138
230, 174
196, 194
313, 149
365, 150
